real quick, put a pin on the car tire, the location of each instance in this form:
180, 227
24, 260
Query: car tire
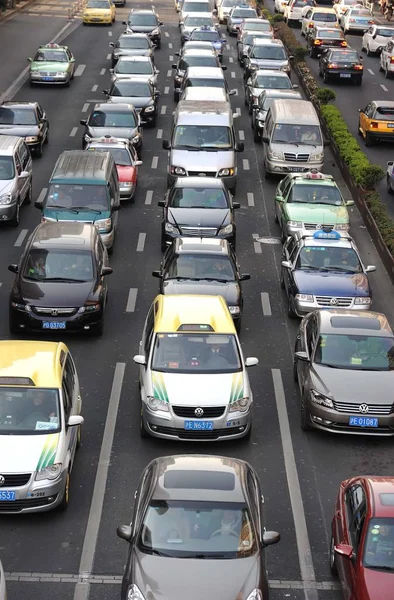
176, 97
295, 374
143, 433
163, 245
14, 222
267, 175
387, 73
368, 50
256, 136
305, 425
389, 188
238, 326
326, 78
368, 139
38, 151
79, 437
281, 279
47, 137
233, 190
29, 195
290, 308
380, 66
66, 494
320, 72
13, 329
67, 83
333, 558
312, 53
276, 218
359, 80
99, 328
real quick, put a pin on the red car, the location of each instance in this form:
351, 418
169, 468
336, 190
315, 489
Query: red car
362, 542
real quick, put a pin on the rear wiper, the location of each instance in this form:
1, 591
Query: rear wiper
87, 209
71, 209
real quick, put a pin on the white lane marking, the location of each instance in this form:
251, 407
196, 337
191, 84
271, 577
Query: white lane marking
383, 87
79, 70
256, 244
265, 304
73, 132
230, 59
21, 237
131, 300
169, 72
110, 33
227, 46
163, 110
236, 93
148, 197
233, 74
102, 72
155, 161
82, 588
159, 134
108, 57
250, 197
85, 107
245, 164
238, 111
370, 71
95, 88
166, 89
169, 45
166, 34
241, 135
42, 195
170, 58
141, 242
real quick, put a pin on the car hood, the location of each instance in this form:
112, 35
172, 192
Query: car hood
141, 28
317, 213
49, 66
126, 173
137, 102
372, 584
346, 385
27, 453
199, 217
230, 291
19, 130
55, 294
120, 132
155, 577
6, 186
203, 160
264, 63
331, 283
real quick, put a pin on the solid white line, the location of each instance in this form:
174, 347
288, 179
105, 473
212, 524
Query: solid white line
170, 45
95, 88
169, 72
79, 70
230, 59
131, 300
241, 135
265, 304
102, 72
163, 110
21, 237
81, 591
166, 34
245, 164
141, 242
155, 161
250, 197
148, 197
85, 107
238, 111
233, 74
166, 89
159, 134
170, 58
370, 71
383, 87
73, 131
42, 194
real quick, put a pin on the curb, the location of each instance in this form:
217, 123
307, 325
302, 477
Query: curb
14, 11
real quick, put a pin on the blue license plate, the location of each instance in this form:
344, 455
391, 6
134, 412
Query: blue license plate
363, 422
198, 425
347, 75
7, 495
48, 79
54, 325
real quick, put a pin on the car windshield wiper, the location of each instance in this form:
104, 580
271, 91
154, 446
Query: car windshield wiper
341, 269
212, 279
381, 567
332, 366
312, 268
87, 209
68, 279
186, 147
58, 207
206, 556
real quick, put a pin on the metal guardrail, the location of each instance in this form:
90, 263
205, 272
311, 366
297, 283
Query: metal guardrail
76, 7
369, 6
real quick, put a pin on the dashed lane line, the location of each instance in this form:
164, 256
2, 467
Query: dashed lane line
155, 161
250, 197
169, 72
79, 70
95, 88
148, 197
73, 132
159, 134
370, 71
170, 45
110, 33
21, 237
163, 110
166, 34
141, 242
241, 135
171, 58
233, 74
265, 304
383, 87
238, 111
167, 89
131, 300
230, 59
245, 164
108, 57
85, 107
256, 243
102, 72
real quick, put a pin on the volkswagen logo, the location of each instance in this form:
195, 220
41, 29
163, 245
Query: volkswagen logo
319, 226
54, 312
363, 408
202, 174
2, 480
334, 301
199, 412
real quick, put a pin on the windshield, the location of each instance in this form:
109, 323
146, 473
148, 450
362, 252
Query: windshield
384, 114
325, 17
197, 136
29, 411
272, 82
195, 353
196, 529
196, 7
51, 56
229, 3
315, 194
133, 42
191, 21
379, 543
302, 3
112, 119
78, 197
341, 260
344, 57
297, 134
130, 88
269, 52
201, 266
131, 67
355, 12
98, 4
7, 169
205, 36
121, 156
17, 116
257, 26
244, 13
206, 82
42, 265
198, 61
203, 197
356, 352
141, 20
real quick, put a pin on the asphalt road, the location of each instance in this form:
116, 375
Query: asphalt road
46, 555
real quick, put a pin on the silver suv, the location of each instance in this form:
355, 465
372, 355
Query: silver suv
15, 177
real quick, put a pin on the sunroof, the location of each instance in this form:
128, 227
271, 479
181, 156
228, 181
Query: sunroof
199, 480
355, 323
387, 499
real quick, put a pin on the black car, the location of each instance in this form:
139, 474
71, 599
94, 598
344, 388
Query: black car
131, 44
341, 65
205, 508
203, 266
115, 120
144, 21
27, 120
321, 38
60, 282
198, 207
192, 58
138, 92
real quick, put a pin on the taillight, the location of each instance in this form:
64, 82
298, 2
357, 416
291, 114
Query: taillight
392, 59
352, 20
358, 67
371, 22
343, 44
310, 25
373, 125
317, 42
332, 66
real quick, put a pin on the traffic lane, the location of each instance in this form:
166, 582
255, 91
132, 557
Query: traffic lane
28, 590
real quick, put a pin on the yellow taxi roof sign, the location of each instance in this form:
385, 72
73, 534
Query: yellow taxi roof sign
31, 363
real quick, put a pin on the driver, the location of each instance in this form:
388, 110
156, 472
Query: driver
218, 268
37, 409
309, 136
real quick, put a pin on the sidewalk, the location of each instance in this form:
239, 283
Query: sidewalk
12, 11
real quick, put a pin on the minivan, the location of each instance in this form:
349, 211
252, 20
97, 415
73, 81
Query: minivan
15, 177
84, 186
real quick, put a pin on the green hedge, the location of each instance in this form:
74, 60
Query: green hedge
382, 219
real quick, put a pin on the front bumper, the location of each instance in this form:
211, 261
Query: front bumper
7, 211
304, 308
50, 79
78, 322
276, 167
35, 496
155, 38
97, 20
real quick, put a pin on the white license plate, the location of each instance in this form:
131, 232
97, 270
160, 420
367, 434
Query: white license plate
345, 75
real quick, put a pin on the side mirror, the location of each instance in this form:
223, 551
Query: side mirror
291, 57
23, 175
156, 274
177, 53
236, 205
124, 532
75, 420
232, 92
270, 537
139, 359
224, 39
215, 11
112, 45
249, 81
303, 356
239, 147
279, 198
38, 204
138, 163
124, 22
160, 23
265, 139
252, 361
157, 94
390, 163
13, 268
106, 271
180, 23
83, 121
106, 92
349, 203
286, 264
370, 269
165, 145
255, 105
295, 86
157, 71
111, 70
344, 550
161, 203
244, 277
236, 115
224, 67
29, 60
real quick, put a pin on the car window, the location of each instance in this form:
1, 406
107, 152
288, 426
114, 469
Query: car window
355, 507
44, 265
148, 331
17, 116
121, 156
273, 82
201, 267
49, 55
77, 197
344, 56
315, 194
379, 544
205, 36
310, 336
196, 136
7, 169
198, 197
352, 352
26, 410
269, 52
325, 258
325, 17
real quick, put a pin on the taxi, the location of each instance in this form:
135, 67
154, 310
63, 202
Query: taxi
99, 11
310, 201
376, 121
193, 379
40, 425
209, 34
52, 64
324, 270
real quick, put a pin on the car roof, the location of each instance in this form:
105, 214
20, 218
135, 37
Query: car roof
271, 72
38, 363
255, 20
134, 35
198, 14
212, 94
217, 479
146, 11
112, 107
63, 234
353, 322
322, 9
205, 72
381, 491
383, 103
290, 94
204, 182
194, 245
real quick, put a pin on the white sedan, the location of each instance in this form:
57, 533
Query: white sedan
341, 6
280, 6
375, 38
356, 19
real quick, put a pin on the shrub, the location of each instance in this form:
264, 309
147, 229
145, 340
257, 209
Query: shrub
382, 219
277, 18
325, 95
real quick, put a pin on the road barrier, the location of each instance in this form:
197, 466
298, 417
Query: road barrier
76, 7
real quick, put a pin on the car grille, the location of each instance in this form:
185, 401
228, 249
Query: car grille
16, 480
333, 301
354, 408
46, 74
209, 411
199, 231
13, 506
318, 225
296, 157
54, 312
202, 173
214, 434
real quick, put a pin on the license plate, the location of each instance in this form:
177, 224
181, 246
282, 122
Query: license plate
48, 79
363, 421
7, 495
390, 125
198, 425
296, 169
347, 75
54, 325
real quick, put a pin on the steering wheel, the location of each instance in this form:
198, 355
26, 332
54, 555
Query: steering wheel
221, 530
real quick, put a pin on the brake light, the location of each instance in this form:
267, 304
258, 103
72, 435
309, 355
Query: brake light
332, 66
392, 59
358, 67
352, 20
310, 25
371, 22
317, 42
344, 44
373, 125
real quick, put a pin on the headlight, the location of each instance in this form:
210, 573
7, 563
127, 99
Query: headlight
255, 595
51, 472
234, 310
6, 199
135, 139
90, 307
103, 224
170, 228
157, 404
342, 227
155, 31
321, 399
294, 224
304, 297
226, 172
61, 74
317, 156
19, 306
275, 154
178, 78
178, 171
149, 109
31, 138
241, 405
363, 300
227, 229
285, 68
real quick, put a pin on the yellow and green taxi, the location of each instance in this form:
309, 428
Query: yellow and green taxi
40, 424
99, 11
376, 122
52, 64
310, 201
193, 379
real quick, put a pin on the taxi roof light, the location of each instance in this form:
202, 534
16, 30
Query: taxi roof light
314, 174
326, 233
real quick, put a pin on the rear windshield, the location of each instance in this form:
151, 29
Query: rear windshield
384, 114
385, 32
200, 82
325, 17
258, 26
302, 3
331, 34
191, 21
196, 7
344, 56
198, 61
269, 52
360, 13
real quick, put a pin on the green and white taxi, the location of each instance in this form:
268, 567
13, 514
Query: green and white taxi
193, 379
310, 201
40, 425
52, 64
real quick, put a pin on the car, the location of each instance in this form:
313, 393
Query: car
131, 44
188, 341
341, 6
209, 34
207, 94
261, 105
3, 591
16, 178
321, 38
266, 54
98, 12
60, 280
224, 7
340, 64
52, 64
390, 177
195, 21
361, 546
27, 120
307, 259
255, 24
310, 201
203, 499
126, 160
246, 40
376, 122
135, 67
279, 6
144, 21
356, 19
293, 11
203, 266
140, 93
236, 15
194, 6
195, 45
265, 79
316, 15
386, 59
205, 77
192, 58
198, 207
117, 120
375, 38
360, 347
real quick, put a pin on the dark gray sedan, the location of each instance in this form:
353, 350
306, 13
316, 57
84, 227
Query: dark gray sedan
138, 92
27, 120
205, 508
116, 120
131, 44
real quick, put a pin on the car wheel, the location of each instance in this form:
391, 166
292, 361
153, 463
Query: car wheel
295, 374
143, 432
320, 72
67, 83
249, 434
359, 80
47, 137
163, 245
333, 558
305, 426
368, 139
368, 50
389, 188
359, 131
387, 73
176, 97
39, 150
16, 218
281, 279
312, 53
250, 106
29, 195
246, 100
256, 136
267, 174
290, 308
276, 218
99, 328
380, 66
326, 78
238, 326
66, 494
13, 329
233, 190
